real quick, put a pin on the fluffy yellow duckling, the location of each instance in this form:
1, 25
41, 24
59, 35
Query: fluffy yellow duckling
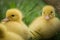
5, 35
45, 26
14, 23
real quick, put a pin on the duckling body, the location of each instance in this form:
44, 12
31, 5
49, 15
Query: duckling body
14, 23
45, 26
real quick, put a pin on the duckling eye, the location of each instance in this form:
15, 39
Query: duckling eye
12, 15
51, 11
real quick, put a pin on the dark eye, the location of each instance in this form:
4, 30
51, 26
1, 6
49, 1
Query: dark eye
51, 11
12, 15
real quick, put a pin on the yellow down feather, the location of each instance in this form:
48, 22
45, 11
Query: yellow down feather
6, 35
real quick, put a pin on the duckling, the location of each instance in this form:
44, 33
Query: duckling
6, 35
14, 23
46, 25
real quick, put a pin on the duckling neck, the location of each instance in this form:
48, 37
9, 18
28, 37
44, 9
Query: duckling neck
19, 21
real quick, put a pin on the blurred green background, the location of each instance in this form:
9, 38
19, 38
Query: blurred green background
30, 9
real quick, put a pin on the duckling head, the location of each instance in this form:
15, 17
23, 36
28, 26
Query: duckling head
13, 15
48, 12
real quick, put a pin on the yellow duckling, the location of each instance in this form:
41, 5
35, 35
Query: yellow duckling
45, 26
14, 23
6, 35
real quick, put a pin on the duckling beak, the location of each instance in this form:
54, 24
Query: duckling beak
47, 17
5, 20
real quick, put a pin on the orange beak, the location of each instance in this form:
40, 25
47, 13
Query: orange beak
5, 20
47, 17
